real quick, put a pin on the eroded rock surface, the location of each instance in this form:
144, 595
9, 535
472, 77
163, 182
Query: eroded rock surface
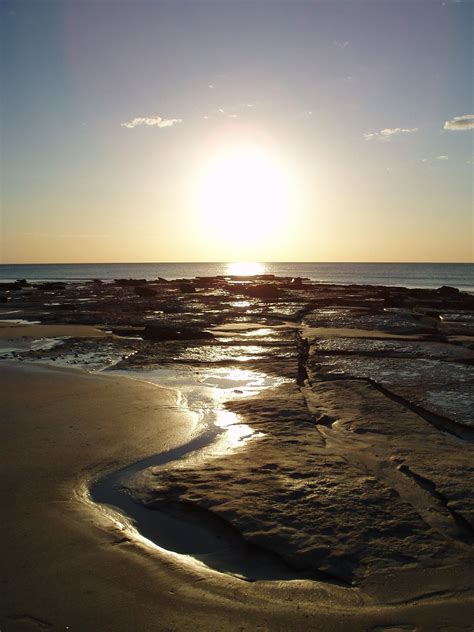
331, 486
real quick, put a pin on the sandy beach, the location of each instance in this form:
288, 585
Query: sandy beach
352, 493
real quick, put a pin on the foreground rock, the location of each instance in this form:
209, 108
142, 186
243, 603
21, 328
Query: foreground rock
335, 485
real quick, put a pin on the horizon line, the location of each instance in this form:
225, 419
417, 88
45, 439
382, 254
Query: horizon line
96, 263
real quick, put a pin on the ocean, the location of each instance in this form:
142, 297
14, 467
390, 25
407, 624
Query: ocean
423, 275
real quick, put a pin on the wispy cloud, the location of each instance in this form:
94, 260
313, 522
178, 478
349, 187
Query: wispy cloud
389, 132
219, 113
64, 235
458, 123
340, 44
433, 158
152, 121
231, 111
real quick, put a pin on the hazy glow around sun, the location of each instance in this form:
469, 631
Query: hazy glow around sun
244, 195
245, 268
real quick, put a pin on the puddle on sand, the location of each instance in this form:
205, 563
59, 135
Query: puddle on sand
91, 361
240, 303
223, 353
265, 331
11, 348
204, 391
18, 321
198, 537
45, 344
104, 357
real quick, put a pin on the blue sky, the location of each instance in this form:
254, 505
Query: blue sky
349, 98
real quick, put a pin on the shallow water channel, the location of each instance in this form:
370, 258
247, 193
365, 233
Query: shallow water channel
185, 530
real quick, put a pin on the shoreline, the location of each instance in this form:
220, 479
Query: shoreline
428, 275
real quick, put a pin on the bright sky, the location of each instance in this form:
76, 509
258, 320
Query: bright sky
231, 130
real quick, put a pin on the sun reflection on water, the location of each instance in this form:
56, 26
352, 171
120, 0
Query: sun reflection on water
203, 392
237, 433
245, 268
240, 304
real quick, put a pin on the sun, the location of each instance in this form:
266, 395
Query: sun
244, 195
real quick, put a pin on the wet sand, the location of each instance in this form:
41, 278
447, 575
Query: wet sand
11, 330
67, 566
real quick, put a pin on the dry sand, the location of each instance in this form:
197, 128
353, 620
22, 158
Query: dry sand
67, 566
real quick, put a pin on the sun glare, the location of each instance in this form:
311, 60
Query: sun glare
245, 268
244, 195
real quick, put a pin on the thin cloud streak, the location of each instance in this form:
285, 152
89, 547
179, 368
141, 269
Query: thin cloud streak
459, 123
64, 235
389, 132
152, 121
231, 111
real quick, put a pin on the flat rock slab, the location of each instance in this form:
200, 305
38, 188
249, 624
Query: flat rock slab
390, 321
401, 442
308, 494
426, 349
445, 389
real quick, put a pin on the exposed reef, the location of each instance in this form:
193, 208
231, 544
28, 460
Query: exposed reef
363, 468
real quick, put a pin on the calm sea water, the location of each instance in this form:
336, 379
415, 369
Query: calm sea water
426, 275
